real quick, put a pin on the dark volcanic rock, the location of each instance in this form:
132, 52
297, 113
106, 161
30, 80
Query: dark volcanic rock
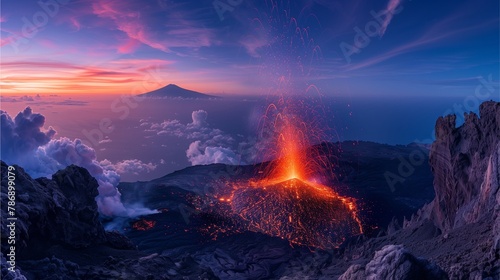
58, 211
52, 268
146, 268
394, 262
464, 161
59, 216
119, 241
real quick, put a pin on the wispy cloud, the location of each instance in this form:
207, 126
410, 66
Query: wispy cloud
75, 23
176, 29
390, 11
459, 82
128, 47
6, 41
127, 20
435, 34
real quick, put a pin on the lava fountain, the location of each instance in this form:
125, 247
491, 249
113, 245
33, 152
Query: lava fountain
284, 199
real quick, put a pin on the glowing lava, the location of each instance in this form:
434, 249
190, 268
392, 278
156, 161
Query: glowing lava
143, 224
286, 203
301, 212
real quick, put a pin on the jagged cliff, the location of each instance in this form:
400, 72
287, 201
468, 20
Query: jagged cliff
62, 210
465, 163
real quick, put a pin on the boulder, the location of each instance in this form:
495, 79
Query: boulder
394, 262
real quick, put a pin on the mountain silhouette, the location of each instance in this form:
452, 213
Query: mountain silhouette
175, 91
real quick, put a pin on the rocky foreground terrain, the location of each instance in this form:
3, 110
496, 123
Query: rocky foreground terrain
451, 229
459, 229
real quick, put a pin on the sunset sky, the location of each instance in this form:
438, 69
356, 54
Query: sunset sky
123, 46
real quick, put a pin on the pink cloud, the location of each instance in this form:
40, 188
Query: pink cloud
75, 23
129, 47
137, 22
137, 31
390, 10
48, 43
6, 41
40, 65
127, 20
141, 64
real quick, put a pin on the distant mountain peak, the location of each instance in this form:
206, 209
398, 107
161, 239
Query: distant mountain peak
175, 91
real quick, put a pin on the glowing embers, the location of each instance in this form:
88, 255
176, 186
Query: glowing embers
302, 212
143, 224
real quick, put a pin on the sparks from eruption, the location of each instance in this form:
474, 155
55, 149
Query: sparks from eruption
287, 198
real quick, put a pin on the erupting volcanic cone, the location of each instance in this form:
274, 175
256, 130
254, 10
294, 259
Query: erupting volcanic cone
302, 212
283, 201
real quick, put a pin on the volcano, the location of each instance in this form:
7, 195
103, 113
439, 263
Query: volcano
175, 91
283, 200
301, 212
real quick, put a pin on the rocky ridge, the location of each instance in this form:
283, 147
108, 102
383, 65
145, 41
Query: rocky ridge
460, 229
465, 163
60, 210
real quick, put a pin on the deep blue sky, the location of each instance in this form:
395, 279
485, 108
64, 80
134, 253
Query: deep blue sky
427, 48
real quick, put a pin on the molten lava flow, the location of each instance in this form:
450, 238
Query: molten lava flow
143, 224
302, 212
285, 202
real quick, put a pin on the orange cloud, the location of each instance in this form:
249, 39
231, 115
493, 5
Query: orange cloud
60, 77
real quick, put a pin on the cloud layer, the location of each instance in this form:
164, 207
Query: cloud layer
25, 143
209, 145
128, 166
200, 154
